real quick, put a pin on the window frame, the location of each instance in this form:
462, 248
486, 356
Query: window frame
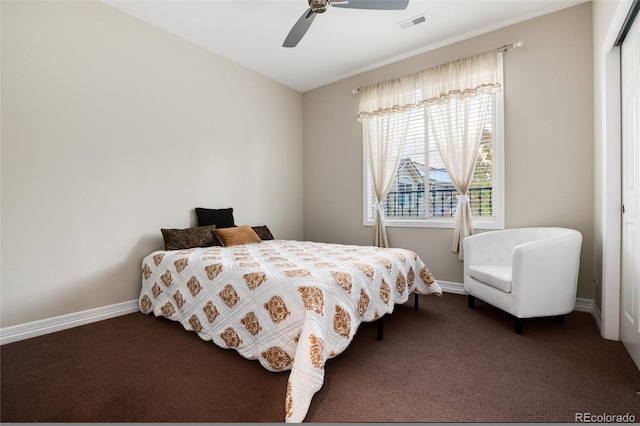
449, 222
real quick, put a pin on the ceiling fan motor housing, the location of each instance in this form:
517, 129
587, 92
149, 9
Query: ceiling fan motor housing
318, 6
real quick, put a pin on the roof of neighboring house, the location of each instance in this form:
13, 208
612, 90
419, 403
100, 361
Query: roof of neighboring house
416, 171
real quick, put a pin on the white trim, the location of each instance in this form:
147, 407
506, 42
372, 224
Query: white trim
588, 305
611, 197
597, 316
498, 157
452, 287
51, 325
64, 322
437, 222
611, 172
582, 305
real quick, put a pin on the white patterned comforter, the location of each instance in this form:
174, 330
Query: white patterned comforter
289, 304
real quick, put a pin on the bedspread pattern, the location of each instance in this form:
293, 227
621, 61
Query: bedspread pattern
289, 304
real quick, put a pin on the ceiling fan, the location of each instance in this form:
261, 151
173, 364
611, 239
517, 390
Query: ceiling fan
320, 6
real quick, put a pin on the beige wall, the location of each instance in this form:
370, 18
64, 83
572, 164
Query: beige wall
113, 129
548, 142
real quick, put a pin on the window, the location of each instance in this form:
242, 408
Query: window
423, 193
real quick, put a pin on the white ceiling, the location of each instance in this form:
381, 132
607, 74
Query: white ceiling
340, 42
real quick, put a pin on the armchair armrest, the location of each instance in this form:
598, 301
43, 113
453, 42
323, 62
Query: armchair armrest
547, 274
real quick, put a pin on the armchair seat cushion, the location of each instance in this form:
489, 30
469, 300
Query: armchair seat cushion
497, 276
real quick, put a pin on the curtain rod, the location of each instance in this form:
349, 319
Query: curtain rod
504, 48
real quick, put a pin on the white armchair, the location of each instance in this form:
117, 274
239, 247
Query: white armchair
527, 272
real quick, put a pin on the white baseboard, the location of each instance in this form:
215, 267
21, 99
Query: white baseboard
597, 315
64, 322
452, 287
582, 305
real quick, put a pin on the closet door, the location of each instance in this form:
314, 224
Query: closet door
630, 255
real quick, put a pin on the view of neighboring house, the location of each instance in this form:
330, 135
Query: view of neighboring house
407, 195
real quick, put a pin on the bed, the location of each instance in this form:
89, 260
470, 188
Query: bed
291, 305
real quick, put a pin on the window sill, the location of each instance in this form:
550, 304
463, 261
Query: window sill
437, 223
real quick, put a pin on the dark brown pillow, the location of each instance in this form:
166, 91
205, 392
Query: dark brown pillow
236, 236
179, 239
263, 232
221, 218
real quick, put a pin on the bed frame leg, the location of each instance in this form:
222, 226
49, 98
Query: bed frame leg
379, 320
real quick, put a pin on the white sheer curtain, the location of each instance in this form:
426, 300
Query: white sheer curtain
385, 137
456, 126
457, 97
449, 93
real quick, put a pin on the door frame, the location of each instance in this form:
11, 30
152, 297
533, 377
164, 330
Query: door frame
611, 173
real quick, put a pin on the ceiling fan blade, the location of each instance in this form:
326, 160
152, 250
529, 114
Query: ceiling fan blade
373, 4
299, 29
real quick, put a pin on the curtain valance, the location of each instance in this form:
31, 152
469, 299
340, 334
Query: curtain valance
465, 77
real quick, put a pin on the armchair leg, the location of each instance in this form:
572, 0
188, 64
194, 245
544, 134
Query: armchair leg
472, 302
519, 325
415, 303
379, 328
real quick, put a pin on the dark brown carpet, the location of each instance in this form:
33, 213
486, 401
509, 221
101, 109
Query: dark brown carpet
443, 363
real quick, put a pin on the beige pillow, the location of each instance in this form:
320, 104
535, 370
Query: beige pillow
238, 235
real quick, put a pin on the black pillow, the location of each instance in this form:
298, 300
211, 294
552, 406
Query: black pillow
263, 232
179, 239
221, 218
